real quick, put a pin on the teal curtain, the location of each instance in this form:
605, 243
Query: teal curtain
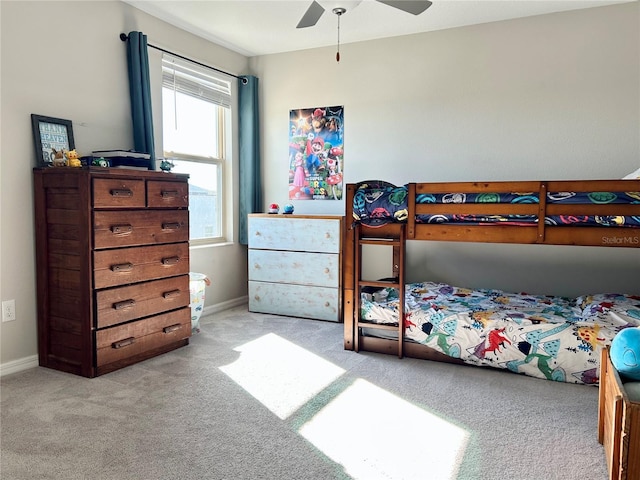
140, 92
249, 154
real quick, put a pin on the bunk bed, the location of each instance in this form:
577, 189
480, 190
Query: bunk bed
547, 337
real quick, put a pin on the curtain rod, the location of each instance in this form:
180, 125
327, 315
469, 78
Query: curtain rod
124, 37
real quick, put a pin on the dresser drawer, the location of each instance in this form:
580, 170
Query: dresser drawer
116, 192
137, 264
124, 341
121, 304
308, 235
303, 268
167, 194
139, 227
319, 303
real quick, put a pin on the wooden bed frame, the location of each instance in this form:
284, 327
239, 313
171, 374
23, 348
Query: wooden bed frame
618, 424
355, 235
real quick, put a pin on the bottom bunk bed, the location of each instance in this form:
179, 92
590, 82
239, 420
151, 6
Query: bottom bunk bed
553, 338
547, 337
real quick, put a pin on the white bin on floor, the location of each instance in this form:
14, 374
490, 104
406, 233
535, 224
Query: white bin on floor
197, 284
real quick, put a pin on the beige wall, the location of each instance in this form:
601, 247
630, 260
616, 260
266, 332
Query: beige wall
548, 97
65, 60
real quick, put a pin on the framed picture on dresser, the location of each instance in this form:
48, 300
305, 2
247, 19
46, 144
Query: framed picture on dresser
50, 136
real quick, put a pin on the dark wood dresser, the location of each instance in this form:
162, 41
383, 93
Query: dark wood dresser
112, 258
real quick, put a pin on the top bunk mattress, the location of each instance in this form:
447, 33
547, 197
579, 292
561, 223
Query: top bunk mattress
377, 203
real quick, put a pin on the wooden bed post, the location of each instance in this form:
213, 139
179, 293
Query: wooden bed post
542, 210
348, 287
411, 207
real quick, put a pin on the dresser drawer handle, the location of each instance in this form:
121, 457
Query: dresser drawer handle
123, 343
124, 304
169, 193
121, 192
119, 229
171, 293
326, 304
122, 267
172, 328
256, 266
326, 270
170, 260
171, 226
257, 298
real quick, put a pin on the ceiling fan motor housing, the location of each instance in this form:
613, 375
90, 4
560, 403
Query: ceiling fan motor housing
315, 10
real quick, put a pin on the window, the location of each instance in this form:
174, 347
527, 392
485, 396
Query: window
196, 105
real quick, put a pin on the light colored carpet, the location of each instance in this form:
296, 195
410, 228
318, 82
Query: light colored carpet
266, 397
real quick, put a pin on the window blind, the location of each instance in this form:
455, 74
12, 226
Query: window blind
190, 79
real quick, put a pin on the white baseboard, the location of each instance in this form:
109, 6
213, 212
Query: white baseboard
20, 365
219, 307
26, 363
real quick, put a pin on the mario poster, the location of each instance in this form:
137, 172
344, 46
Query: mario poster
316, 153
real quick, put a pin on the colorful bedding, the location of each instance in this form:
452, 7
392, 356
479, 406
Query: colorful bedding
553, 338
378, 202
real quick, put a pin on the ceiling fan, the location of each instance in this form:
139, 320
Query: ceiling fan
315, 10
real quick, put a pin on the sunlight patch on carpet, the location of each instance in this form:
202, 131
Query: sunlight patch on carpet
394, 440
280, 374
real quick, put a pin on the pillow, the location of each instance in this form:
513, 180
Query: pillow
376, 203
633, 175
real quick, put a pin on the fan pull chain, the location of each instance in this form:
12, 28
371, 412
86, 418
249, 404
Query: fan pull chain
338, 11
338, 52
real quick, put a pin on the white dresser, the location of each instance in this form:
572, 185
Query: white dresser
295, 265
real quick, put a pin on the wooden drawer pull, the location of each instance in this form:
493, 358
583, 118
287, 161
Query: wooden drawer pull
122, 267
123, 343
121, 192
170, 260
171, 226
171, 293
172, 328
169, 193
120, 229
124, 304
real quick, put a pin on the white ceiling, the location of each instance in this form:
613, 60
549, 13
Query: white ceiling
260, 27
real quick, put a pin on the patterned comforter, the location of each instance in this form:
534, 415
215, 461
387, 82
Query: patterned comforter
553, 338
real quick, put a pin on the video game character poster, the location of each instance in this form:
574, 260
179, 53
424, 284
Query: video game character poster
316, 153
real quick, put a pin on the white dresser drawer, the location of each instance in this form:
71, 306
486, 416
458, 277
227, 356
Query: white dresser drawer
318, 303
292, 233
302, 268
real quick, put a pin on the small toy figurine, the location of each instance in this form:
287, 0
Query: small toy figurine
274, 208
166, 165
72, 159
100, 162
58, 159
287, 209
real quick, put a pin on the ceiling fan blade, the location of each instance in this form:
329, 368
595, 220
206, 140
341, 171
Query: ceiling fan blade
311, 16
416, 7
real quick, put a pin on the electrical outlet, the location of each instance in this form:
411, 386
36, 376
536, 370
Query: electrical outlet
8, 310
